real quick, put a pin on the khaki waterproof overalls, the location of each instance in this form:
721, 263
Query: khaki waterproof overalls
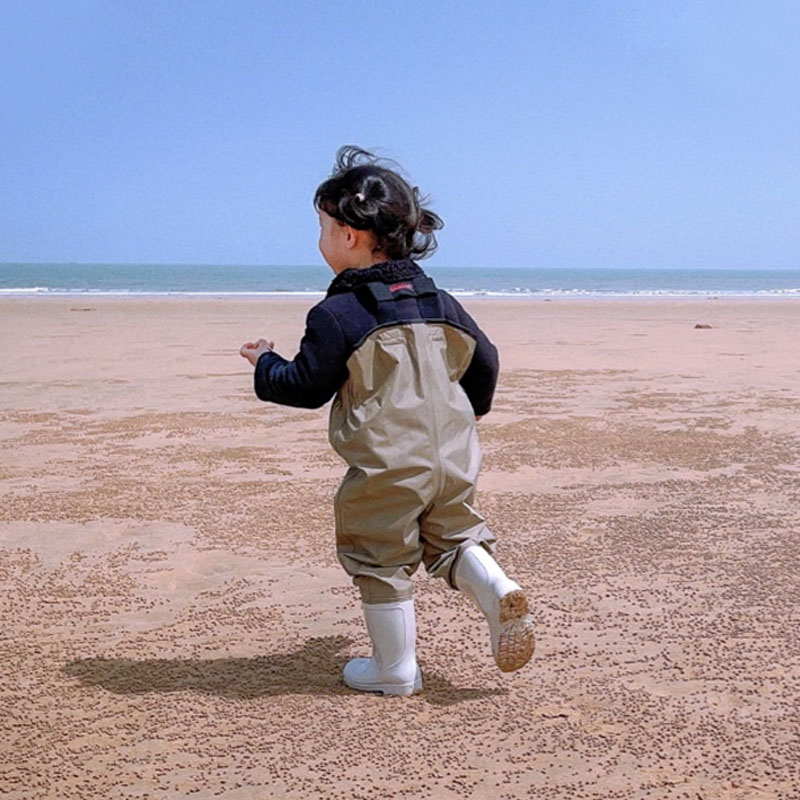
407, 430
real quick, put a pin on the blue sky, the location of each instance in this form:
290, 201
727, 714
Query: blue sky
548, 134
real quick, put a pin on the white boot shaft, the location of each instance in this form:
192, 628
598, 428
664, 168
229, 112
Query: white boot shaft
502, 602
480, 577
392, 668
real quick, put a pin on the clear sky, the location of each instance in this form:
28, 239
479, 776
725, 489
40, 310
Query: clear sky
601, 133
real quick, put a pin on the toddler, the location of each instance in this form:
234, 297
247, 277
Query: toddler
409, 372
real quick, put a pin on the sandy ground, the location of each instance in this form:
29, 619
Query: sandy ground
173, 620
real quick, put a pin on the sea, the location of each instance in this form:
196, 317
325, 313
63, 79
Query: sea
18, 279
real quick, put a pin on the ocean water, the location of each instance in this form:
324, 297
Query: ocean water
203, 279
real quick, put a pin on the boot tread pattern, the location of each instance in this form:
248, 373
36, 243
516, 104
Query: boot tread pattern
516, 644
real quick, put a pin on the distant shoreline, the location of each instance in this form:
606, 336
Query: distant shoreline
313, 297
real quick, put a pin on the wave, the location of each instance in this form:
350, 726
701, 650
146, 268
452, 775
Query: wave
788, 292
514, 292
59, 292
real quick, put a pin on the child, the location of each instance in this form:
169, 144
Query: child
410, 373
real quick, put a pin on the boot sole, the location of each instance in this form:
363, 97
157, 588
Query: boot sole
391, 689
517, 642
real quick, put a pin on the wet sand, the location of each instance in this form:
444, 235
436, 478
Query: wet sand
173, 620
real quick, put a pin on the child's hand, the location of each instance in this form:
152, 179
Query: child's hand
252, 351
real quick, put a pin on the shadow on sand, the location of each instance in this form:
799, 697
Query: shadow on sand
315, 668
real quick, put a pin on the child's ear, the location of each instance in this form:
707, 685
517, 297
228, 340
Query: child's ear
352, 237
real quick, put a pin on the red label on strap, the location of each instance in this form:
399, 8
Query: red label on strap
396, 287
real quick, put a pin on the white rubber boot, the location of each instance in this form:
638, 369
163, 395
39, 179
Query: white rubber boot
393, 667
502, 602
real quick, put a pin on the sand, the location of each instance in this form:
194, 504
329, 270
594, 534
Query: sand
174, 621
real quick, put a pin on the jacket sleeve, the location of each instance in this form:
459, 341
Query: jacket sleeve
480, 379
316, 372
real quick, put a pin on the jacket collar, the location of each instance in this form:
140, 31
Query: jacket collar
385, 272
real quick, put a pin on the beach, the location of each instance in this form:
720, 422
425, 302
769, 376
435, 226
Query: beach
174, 621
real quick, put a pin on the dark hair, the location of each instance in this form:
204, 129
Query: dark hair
366, 194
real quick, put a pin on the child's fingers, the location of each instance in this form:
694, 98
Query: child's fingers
249, 348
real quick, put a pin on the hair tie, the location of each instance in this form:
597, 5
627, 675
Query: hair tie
360, 197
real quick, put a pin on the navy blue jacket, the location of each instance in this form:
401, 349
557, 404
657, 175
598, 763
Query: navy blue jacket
358, 302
